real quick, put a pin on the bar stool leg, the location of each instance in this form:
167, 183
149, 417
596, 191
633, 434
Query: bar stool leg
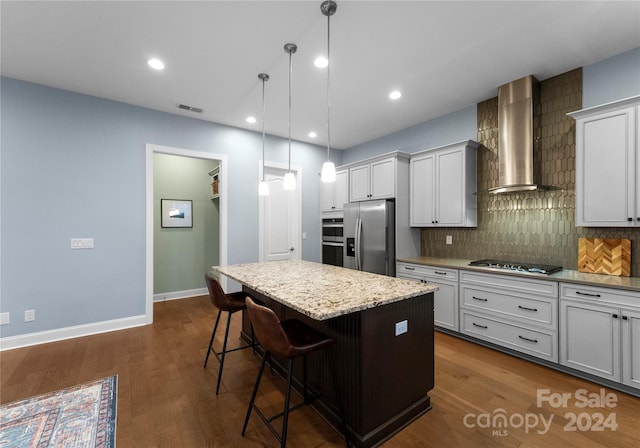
266, 357
224, 351
336, 389
215, 328
285, 418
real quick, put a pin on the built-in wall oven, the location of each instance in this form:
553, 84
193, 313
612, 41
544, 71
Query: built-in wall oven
332, 241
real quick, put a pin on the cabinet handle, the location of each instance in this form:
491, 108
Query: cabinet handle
479, 326
615, 316
587, 294
625, 318
629, 219
408, 268
439, 273
479, 298
535, 341
527, 309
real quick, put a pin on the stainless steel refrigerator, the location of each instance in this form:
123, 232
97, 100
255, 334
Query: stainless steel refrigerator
369, 231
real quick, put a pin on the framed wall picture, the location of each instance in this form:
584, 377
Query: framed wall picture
176, 213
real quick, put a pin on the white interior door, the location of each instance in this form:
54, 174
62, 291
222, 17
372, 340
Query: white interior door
280, 218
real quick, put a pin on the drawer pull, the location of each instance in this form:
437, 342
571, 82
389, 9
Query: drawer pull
587, 294
527, 309
479, 298
479, 326
409, 268
440, 273
535, 341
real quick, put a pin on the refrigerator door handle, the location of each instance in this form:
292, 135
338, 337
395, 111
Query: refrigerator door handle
358, 244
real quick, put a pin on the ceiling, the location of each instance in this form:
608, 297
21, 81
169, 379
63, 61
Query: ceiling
442, 55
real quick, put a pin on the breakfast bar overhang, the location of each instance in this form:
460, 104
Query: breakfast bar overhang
383, 327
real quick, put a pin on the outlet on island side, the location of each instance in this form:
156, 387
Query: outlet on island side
449, 239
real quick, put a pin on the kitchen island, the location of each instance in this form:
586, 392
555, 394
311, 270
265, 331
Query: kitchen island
384, 332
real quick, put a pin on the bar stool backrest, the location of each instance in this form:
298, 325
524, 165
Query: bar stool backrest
268, 329
217, 295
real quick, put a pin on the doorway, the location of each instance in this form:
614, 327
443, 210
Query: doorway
280, 216
150, 150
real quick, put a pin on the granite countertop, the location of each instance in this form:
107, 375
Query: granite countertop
322, 291
566, 275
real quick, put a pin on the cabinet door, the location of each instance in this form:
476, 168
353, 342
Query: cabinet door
450, 188
590, 338
445, 305
605, 169
341, 189
383, 179
422, 191
631, 348
327, 195
359, 183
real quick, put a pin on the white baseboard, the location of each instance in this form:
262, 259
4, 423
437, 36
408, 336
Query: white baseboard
59, 334
180, 294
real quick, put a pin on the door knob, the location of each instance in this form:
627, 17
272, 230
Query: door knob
291, 249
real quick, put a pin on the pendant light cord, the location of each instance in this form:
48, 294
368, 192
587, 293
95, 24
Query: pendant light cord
290, 75
264, 78
328, 86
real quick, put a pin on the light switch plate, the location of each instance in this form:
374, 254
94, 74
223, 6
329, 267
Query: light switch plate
5, 318
402, 327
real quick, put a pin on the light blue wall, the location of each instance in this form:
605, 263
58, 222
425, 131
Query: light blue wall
73, 166
454, 127
612, 79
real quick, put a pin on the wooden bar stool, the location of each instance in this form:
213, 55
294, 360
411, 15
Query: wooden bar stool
224, 302
289, 339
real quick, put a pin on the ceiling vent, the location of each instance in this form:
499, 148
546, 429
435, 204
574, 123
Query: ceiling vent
190, 108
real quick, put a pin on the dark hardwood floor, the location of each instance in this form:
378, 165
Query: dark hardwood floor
167, 399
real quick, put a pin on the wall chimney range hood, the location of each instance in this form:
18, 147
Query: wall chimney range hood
518, 112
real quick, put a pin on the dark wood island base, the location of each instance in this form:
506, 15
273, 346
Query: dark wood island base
385, 362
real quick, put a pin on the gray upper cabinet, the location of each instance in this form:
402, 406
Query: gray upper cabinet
443, 186
608, 165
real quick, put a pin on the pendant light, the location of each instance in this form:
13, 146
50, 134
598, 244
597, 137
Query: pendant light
263, 187
290, 178
328, 174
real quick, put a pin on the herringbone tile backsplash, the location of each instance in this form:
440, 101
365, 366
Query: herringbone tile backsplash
537, 227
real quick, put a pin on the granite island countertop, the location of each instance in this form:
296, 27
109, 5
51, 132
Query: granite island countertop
322, 291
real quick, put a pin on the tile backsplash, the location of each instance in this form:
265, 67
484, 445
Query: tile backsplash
537, 227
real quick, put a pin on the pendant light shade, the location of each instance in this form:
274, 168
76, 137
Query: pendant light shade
290, 178
263, 187
328, 173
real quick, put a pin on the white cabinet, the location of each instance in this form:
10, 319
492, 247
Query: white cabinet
608, 165
333, 195
443, 186
373, 180
600, 332
514, 312
445, 299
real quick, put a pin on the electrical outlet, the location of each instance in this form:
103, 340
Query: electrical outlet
402, 327
449, 239
81, 243
29, 315
5, 318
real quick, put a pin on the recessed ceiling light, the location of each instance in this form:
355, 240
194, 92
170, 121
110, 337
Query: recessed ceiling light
321, 62
312, 134
251, 120
394, 95
156, 64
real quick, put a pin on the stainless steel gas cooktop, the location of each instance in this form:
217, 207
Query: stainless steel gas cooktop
531, 268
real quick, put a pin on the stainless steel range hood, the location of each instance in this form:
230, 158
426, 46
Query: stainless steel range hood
518, 111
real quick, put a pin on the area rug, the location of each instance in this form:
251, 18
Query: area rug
82, 416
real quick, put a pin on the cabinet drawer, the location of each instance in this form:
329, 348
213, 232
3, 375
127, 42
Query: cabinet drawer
541, 344
608, 296
511, 283
529, 310
434, 272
